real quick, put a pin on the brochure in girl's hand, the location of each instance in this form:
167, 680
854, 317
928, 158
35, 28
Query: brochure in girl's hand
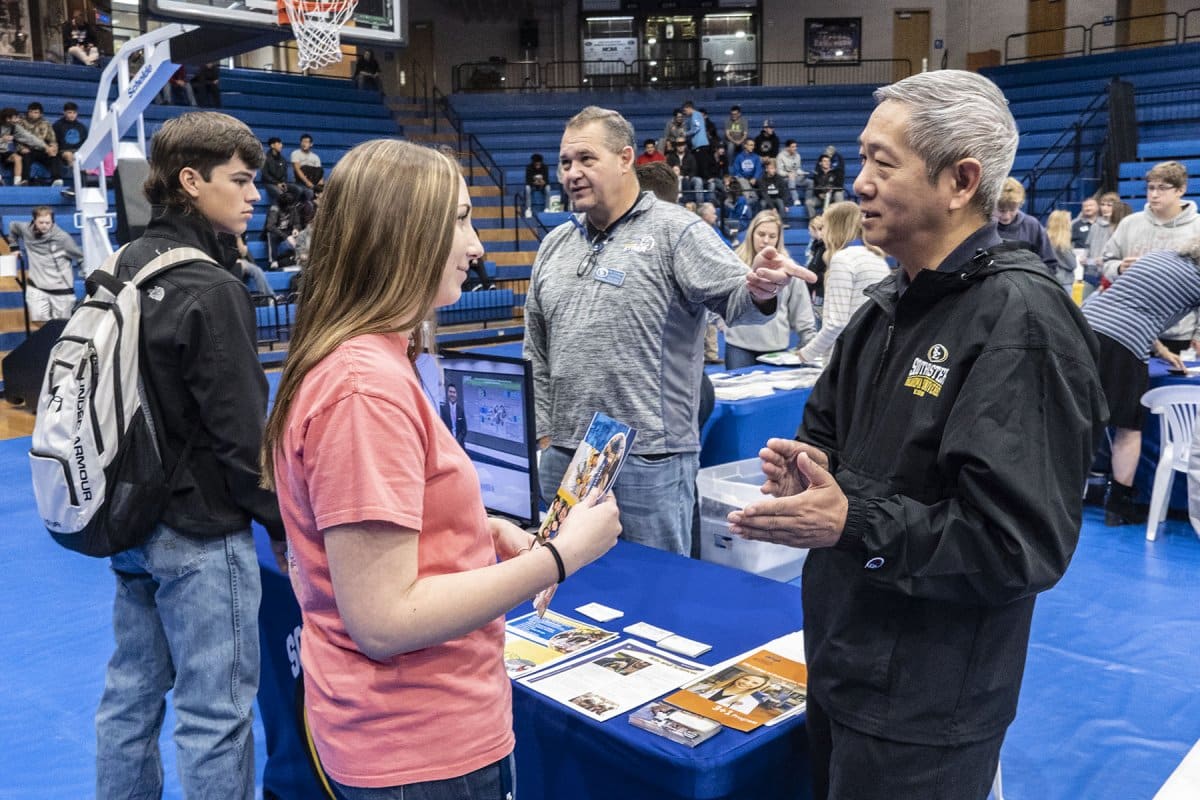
595, 465
758, 689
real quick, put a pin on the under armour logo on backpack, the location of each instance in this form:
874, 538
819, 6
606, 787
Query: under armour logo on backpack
156, 294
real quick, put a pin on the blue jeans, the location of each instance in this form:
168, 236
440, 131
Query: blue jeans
655, 496
738, 357
185, 618
493, 782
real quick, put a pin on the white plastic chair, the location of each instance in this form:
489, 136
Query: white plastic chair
1176, 407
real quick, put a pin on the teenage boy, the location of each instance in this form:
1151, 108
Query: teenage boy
49, 254
71, 134
185, 616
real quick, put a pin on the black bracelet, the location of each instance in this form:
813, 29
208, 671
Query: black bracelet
562, 571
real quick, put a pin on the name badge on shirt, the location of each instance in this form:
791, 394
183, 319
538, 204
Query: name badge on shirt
613, 277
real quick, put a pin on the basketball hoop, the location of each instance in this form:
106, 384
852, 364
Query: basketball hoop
317, 26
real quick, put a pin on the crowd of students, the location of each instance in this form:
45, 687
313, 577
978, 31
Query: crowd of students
34, 151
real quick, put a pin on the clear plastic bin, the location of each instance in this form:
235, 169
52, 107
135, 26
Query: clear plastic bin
727, 487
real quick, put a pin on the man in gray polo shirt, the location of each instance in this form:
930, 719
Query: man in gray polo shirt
614, 322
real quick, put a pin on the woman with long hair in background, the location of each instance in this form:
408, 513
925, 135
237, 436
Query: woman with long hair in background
745, 343
853, 266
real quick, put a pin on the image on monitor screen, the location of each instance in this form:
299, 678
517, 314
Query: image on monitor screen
487, 402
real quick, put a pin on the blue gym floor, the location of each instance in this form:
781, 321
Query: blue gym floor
1110, 703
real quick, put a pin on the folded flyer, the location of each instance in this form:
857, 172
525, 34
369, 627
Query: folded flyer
674, 723
613, 680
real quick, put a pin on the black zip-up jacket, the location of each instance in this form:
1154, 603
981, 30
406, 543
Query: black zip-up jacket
200, 364
274, 169
958, 417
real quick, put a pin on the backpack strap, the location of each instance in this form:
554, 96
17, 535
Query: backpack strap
105, 276
174, 256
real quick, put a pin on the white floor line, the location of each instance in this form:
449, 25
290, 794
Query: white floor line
1184, 783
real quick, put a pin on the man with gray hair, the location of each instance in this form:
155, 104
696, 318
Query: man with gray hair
614, 322
936, 475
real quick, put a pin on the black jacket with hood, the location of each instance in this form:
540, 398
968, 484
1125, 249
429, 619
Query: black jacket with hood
958, 412
199, 360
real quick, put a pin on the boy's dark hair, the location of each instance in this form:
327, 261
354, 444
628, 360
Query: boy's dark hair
648, 141
34, 106
273, 140
69, 106
735, 108
789, 143
201, 140
688, 104
7, 113
536, 157
660, 179
304, 136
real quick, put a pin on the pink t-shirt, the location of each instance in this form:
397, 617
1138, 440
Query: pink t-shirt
364, 442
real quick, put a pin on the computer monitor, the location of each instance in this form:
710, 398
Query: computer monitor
496, 395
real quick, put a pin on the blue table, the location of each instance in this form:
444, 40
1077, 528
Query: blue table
738, 429
562, 754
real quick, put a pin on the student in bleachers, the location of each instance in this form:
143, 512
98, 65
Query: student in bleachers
537, 179
306, 166
650, 153
178, 91
745, 343
1014, 225
766, 143
746, 170
816, 261
736, 130
42, 148
79, 40
827, 187
402, 578
284, 223
206, 85
367, 71
50, 253
853, 266
676, 129
71, 134
792, 169
774, 189
13, 139
274, 173
687, 169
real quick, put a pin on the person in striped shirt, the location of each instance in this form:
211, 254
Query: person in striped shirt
1151, 295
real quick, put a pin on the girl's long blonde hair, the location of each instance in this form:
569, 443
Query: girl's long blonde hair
843, 224
380, 241
1058, 229
745, 250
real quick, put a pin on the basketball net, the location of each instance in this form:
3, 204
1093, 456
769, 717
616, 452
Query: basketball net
317, 26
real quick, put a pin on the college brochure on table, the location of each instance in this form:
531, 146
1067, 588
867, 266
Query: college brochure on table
760, 688
674, 723
613, 680
595, 465
532, 642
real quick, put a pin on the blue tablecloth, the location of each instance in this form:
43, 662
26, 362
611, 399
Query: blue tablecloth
560, 753
738, 429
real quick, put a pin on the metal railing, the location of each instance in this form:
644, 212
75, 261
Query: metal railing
476, 152
801, 73
1100, 37
1068, 145
552, 76
533, 223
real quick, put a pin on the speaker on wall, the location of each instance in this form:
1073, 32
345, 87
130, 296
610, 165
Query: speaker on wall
528, 32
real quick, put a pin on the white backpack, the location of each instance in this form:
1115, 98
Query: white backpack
98, 475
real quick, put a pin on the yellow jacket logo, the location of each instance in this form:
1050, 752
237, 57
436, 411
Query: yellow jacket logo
926, 377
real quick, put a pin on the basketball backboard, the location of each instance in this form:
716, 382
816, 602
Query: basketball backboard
377, 22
